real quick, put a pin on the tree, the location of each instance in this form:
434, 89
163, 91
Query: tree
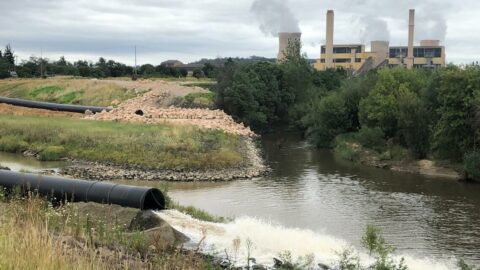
4, 69
197, 73
8, 55
328, 119
83, 68
454, 133
209, 70
413, 122
183, 72
147, 70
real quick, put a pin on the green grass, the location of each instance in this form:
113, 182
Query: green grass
73, 236
206, 85
189, 210
159, 146
196, 100
66, 90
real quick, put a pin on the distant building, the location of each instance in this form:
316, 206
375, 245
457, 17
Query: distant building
172, 63
430, 54
13, 74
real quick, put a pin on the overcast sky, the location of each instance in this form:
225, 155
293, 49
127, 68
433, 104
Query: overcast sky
192, 29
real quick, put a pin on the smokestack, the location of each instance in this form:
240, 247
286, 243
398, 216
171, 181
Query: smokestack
329, 40
411, 37
284, 40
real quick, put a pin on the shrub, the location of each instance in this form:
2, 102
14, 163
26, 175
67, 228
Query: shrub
372, 138
195, 100
52, 153
200, 100
471, 164
12, 144
346, 149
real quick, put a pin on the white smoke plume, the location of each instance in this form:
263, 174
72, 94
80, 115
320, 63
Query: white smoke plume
372, 28
274, 16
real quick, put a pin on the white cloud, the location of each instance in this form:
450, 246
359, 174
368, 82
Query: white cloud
192, 29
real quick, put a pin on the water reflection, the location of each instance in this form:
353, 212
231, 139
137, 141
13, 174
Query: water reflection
312, 189
18, 162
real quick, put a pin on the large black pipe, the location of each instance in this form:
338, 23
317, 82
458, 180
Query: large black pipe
73, 190
51, 106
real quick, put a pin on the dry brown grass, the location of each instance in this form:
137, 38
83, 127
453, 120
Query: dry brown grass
34, 235
67, 90
26, 243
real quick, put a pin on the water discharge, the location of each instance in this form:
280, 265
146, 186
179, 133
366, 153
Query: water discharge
269, 240
313, 203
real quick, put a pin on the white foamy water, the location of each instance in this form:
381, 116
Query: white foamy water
268, 240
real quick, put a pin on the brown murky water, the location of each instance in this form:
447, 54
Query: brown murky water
311, 189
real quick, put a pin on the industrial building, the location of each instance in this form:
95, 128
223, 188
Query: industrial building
286, 39
430, 54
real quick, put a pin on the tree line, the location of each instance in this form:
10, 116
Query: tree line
42, 67
429, 113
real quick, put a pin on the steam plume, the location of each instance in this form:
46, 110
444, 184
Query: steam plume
373, 29
274, 17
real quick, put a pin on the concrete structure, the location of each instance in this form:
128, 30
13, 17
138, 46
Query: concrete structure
329, 40
411, 36
284, 40
430, 54
172, 63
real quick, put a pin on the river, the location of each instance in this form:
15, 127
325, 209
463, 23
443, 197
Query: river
313, 202
311, 189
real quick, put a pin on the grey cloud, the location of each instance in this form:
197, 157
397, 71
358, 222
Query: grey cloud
193, 29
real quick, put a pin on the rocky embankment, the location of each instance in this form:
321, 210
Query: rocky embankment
150, 109
423, 167
253, 167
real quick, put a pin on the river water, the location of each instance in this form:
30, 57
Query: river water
312, 190
314, 203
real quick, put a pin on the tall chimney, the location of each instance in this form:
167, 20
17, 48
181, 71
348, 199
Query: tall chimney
329, 40
411, 37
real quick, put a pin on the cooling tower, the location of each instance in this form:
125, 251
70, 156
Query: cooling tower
380, 48
430, 43
284, 39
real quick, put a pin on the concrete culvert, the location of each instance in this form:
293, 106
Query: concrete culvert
139, 112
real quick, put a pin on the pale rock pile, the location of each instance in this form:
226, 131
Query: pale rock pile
148, 109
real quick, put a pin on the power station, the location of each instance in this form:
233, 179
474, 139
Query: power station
429, 54
286, 39
354, 56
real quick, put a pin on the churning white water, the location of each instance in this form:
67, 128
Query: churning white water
265, 241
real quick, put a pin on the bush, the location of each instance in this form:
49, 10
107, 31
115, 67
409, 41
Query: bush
12, 144
372, 138
328, 119
346, 149
200, 100
52, 153
471, 164
195, 100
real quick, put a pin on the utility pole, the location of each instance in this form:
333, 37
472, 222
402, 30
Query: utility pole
41, 62
135, 67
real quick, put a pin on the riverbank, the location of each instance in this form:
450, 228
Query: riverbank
394, 158
113, 150
89, 236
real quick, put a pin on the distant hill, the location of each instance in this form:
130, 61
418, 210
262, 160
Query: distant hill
241, 60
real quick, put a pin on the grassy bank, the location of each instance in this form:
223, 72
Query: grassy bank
159, 146
368, 147
34, 235
66, 90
